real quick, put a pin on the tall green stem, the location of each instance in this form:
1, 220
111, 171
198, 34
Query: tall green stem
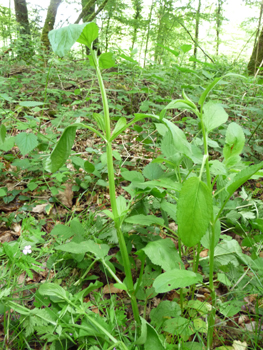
122, 244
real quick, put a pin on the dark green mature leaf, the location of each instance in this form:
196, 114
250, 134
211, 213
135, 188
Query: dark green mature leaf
26, 142
2, 133
52, 289
144, 220
99, 250
214, 115
194, 211
153, 171
175, 279
149, 337
62, 150
164, 254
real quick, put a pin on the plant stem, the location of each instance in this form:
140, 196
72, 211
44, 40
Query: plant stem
122, 244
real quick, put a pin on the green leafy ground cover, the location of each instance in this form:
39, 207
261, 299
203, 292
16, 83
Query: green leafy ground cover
131, 204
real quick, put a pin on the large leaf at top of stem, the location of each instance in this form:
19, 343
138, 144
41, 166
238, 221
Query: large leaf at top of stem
194, 211
63, 39
61, 151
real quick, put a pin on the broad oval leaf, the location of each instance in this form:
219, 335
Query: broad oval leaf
214, 115
30, 103
106, 61
235, 140
61, 151
144, 220
194, 211
88, 34
164, 254
52, 289
175, 279
99, 250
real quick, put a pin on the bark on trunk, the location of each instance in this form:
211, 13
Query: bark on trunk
22, 16
197, 22
257, 56
49, 22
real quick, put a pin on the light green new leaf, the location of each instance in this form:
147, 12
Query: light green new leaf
214, 115
62, 150
175, 279
145, 220
89, 167
88, 34
149, 337
182, 104
63, 39
119, 127
164, 254
106, 61
153, 171
52, 289
242, 177
194, 211
26, 142
133, 176
235, 140
30, 103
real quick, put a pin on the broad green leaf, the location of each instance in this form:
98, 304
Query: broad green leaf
106, 61
52, 289
144, 220
164, 310
30, 103
89, 167
99, 250
162, 182
133, 176
88, 34
194, 211
179, 326
182, 104
223, 279
63, 39
26, 142
2, 192
164, 254
185, 48
217, 168
176, 141
7, 144
214, 115
170, 209
2, 133
61, 151
19, 308
242, 177
121, 206
6, 97
174, 52
235, 140
153, 171
121, 124
228, 252
176, 278
231, 308
62, 231
149, 337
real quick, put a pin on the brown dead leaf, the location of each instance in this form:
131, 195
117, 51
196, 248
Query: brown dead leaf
109, 288
40, 208
66, 196
6, 237
238, 345
95, 310
204, 253
17, 229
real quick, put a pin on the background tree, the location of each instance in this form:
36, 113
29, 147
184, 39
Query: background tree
256, 58
49, 22
197, 22
218, 23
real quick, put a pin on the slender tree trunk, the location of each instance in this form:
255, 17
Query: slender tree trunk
148, 32
138, 9
22, 16
107, 33
257, 54
159, 39
49, 22
25, 50
218, 24
197, 22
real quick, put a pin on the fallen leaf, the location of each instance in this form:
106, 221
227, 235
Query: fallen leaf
40, 208
66, 195
109, 288
6, 237
238, 345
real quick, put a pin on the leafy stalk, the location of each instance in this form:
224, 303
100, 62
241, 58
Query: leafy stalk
122, 244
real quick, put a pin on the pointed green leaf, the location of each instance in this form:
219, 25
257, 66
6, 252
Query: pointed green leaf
2, 133
61, 151
242, 177
121, 124
145, 220
88, 34
99, 250
153, 171
194, 211
30, 103
235, 140
52, 289
89, 167
133, 176
176, 278
214, 115
26, 142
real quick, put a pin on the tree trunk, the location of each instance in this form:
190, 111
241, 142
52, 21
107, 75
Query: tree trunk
22, 16
257, 54
49, 22
197, 22
148, 32
137, 4
25, 49
218, 24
